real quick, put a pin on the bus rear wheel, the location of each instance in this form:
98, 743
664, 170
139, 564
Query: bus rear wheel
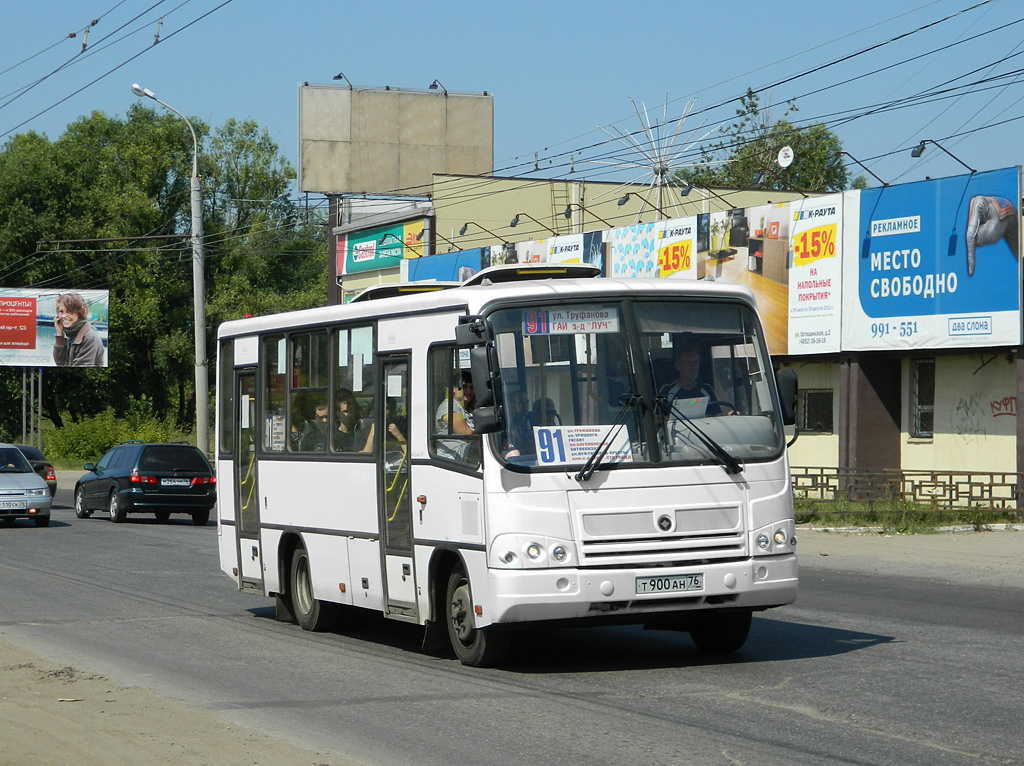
721, 632
476, 647
310, 613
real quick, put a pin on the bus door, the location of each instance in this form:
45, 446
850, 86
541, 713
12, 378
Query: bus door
247, 506
391, 434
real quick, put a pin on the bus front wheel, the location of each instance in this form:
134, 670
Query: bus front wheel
310, 613
721, 632
476, 647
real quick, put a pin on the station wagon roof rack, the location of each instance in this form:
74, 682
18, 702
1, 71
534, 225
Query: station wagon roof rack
515, 272
376, 292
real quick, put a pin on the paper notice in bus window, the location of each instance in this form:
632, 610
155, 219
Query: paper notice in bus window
571, 321
277, 433
244, 413
394, 386
560, 445
357, 373
693, 407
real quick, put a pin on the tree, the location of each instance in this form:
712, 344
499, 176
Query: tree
752, 145
113, 177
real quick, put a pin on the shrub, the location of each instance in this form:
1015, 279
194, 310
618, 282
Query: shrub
86, 440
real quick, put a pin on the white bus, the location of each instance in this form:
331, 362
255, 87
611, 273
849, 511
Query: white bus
598, 478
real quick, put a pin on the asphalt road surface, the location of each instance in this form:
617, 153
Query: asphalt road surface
875, 664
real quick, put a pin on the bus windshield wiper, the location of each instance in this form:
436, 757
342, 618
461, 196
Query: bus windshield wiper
594, 461
729, 463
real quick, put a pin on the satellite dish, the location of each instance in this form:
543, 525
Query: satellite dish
785, 156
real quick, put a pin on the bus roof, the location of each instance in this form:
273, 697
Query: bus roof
475, 298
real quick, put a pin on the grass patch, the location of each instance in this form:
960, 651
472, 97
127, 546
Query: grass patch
898, 516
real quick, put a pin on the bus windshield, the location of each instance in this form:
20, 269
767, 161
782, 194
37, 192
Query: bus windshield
677, 380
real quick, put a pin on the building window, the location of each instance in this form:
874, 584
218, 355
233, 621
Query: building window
923, 403
816, 411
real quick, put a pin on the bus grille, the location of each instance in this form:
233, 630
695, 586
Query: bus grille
628, 538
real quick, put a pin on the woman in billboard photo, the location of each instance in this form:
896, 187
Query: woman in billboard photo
77, 343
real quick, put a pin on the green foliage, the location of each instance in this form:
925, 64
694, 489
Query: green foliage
130, 177
88, 439
896, 516
752, 145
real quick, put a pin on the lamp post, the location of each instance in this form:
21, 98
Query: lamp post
198, 283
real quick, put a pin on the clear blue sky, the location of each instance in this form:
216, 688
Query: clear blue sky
557, 70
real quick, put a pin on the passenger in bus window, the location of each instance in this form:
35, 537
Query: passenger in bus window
314, 435
543, 413
454, 415
346, 434
396, 428
685, 390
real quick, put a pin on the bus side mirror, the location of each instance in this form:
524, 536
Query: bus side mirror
786, 382
488, 420
488, 416
483, 363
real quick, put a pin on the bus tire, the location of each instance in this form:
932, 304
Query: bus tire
310, 613
476, 647
721, 632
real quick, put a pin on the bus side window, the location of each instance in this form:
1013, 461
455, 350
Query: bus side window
453, 400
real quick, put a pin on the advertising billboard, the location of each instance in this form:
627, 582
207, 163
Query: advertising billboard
457, 266
816, 275
53, 328
934, 264
379, 248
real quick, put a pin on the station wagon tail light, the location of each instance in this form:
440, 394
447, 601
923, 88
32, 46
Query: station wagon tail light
200, 480
135, 478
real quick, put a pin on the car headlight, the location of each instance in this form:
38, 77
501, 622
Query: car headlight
37, 492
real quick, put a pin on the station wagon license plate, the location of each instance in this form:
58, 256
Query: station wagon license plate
670, 583
13, 505
175, 482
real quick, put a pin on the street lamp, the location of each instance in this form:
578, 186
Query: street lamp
515, 222
198, 283
918, 150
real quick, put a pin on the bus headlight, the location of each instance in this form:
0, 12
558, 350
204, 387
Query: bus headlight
530, 552
774, 539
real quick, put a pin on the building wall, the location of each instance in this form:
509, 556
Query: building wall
975, 416
818, 449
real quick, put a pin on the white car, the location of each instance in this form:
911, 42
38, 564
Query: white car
23, 494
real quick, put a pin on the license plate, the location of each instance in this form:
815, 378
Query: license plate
13, 505
670, 583
175, 482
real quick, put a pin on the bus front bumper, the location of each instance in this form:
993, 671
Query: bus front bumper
565, 594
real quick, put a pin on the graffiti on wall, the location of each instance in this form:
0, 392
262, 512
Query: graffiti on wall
967, 419
1005, 406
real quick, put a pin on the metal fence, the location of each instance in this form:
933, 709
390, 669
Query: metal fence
937, 490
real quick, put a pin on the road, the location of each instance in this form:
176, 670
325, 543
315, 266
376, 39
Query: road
871, 666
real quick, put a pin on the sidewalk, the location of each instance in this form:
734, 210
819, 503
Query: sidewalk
993, 558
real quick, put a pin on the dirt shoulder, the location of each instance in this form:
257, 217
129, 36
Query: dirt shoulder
993, 558
54, 716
